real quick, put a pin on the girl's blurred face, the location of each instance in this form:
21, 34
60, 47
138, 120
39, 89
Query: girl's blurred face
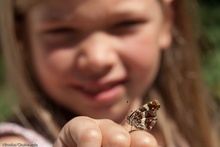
97, 57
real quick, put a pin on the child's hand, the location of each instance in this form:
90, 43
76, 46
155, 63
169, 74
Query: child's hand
88, 132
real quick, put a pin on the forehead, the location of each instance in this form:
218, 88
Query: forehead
54, 10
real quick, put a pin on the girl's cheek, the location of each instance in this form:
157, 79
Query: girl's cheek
141, 50
60, 61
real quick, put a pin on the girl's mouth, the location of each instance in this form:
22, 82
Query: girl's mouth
102, 93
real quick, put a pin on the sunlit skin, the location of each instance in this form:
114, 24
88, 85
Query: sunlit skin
97, 58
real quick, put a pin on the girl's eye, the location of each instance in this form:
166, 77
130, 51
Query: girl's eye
126, 27
129, 23
60, 37
60, 31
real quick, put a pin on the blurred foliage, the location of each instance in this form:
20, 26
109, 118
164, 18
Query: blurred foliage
209, 3
5, 102
1, 72
4, 105
210, 18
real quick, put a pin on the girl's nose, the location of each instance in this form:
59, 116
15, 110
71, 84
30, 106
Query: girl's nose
96, 55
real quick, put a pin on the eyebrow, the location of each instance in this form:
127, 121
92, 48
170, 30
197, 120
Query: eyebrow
56, 16
130, 7
53, 15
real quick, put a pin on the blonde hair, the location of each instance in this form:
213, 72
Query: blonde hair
179, 86
19, 74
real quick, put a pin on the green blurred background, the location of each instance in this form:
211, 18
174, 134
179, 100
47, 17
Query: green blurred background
210, 44
209, 11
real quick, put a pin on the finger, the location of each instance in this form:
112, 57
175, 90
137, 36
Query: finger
114, 134
59, 143
80, 132
142, 139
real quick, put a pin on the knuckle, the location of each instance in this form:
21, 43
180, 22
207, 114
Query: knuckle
147, 141
119, 140
90, 135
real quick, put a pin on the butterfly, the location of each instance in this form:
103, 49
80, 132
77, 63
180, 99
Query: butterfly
145, 117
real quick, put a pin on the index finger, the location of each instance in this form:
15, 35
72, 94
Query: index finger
80, 132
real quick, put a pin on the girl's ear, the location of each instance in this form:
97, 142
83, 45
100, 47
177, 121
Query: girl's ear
165, 39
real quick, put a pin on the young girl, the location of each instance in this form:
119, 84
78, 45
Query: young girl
80, 67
